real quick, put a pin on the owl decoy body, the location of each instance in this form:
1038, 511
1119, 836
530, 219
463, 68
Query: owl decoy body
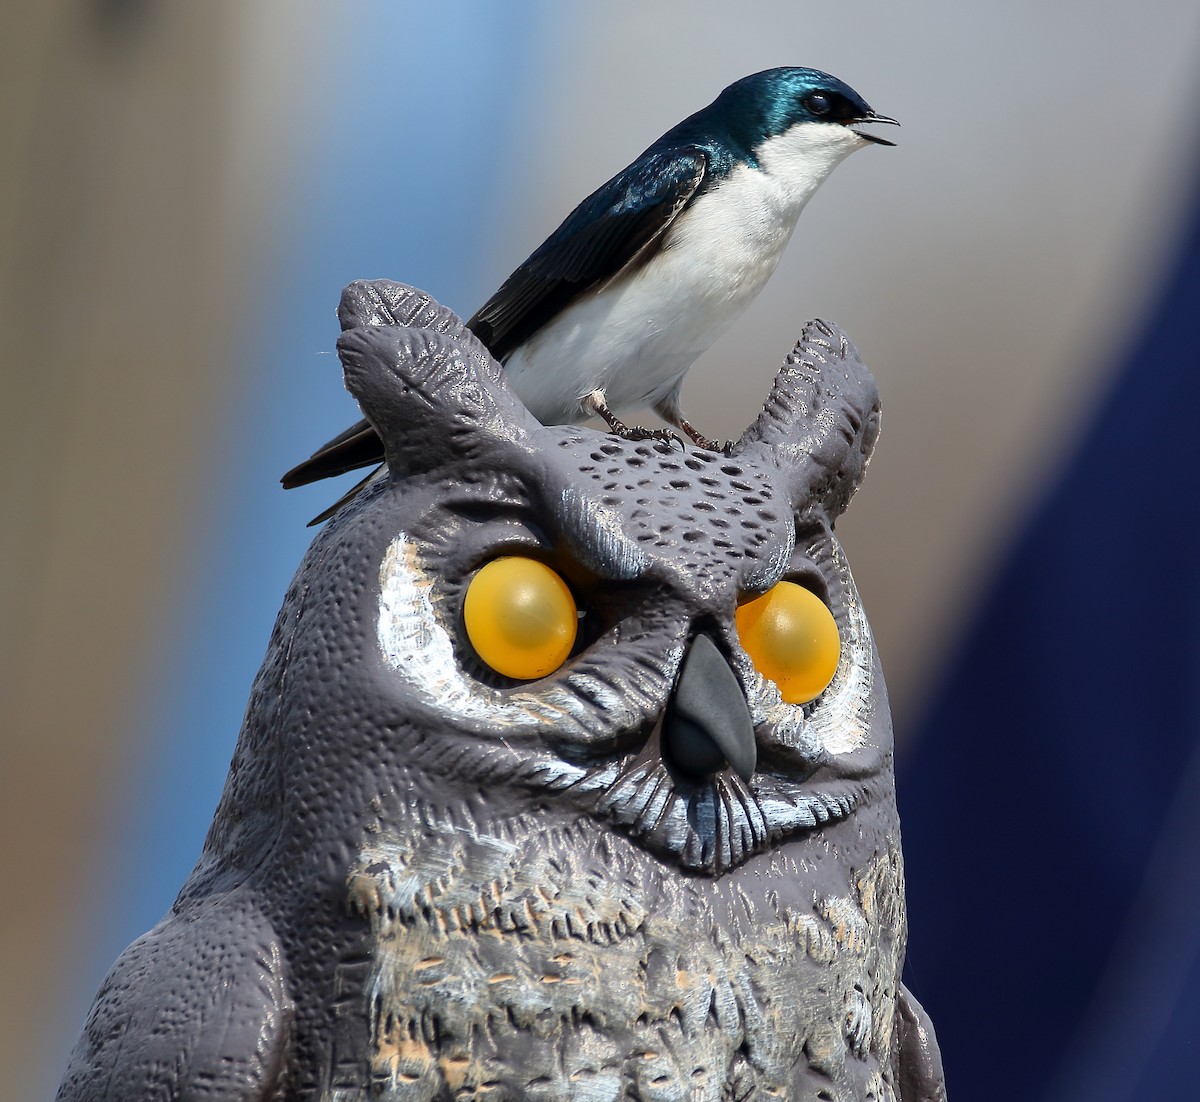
427, 880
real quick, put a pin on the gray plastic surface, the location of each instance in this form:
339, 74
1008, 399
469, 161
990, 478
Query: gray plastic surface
425, 881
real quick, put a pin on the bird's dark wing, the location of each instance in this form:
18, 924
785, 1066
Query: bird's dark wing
603, 236
606, 234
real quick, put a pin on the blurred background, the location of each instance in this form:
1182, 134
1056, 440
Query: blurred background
187, 187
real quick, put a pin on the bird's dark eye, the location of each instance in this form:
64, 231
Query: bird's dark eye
818, 103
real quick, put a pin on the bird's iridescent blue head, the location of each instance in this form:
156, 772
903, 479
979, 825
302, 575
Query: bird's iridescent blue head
764, 105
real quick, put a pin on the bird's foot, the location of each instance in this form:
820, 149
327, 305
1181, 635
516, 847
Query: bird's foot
702, 441
594, 403
638, 432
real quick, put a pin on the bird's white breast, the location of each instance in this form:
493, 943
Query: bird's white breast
636, 336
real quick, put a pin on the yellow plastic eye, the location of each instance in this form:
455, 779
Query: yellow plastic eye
792, 638
520, 617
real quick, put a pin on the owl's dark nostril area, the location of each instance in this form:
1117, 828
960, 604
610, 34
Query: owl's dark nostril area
707, 723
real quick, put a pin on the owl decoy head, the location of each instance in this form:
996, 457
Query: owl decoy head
567, 773
665, 640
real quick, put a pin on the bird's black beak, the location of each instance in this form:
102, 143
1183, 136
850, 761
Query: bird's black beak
871, 117
707, 724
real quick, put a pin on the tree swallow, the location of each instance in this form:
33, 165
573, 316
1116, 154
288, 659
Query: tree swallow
650, 269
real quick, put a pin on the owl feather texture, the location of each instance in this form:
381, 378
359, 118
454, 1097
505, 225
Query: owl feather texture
429, 880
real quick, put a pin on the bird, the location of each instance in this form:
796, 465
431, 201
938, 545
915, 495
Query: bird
528, 802
613, 308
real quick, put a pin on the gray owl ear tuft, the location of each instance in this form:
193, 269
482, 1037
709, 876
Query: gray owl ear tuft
384, 302
428, 396
820, 421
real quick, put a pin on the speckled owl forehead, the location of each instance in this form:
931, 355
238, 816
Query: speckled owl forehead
698, 507
619, 508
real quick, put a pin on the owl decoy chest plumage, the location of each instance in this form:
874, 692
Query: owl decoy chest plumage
632, 866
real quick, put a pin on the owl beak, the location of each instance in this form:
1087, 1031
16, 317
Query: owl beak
707, 723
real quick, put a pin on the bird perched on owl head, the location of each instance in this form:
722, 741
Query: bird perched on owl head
567, 775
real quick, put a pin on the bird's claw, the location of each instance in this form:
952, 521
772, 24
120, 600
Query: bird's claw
712, 445
631, 432
702, 441
639, 433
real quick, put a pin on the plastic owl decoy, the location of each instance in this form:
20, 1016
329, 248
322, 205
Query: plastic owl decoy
567, 774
